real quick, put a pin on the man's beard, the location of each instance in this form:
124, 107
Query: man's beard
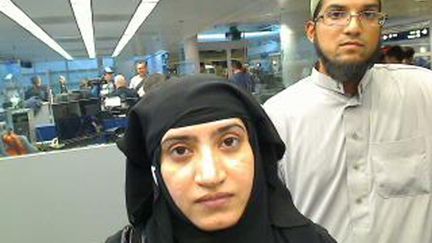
346, 72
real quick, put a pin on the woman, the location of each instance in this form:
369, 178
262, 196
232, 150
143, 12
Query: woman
202, 167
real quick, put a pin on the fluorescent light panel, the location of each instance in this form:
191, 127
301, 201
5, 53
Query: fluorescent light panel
143, 11
211, 37
84, 18
256, 34
17, 15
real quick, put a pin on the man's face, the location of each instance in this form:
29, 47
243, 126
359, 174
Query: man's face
109, 76
38, 82
142, 69
355, 43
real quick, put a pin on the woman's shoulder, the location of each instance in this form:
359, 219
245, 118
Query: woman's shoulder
309, 233
127, 235
323, 234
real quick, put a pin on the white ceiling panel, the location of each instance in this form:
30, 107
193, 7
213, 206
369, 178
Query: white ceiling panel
166, 28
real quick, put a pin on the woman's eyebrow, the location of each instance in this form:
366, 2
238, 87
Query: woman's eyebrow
175, 139
229, 127
189, 139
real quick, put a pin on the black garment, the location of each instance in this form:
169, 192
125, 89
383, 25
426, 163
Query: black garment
244, 80
124, 93
39, 92
270, 215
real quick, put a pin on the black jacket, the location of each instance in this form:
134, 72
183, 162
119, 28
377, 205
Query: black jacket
311, 233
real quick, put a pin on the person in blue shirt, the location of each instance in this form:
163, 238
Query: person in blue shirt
241, 77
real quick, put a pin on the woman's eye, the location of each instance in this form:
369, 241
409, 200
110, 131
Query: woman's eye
180, 151
231, 142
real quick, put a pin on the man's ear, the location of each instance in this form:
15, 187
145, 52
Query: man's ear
310, 30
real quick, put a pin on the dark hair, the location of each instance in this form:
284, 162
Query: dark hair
319, 6
396, 52
236, 64
141, 62
34, 79
408, 52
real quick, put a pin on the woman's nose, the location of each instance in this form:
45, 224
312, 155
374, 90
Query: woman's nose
209, 168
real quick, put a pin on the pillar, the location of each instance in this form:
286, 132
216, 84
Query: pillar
191, 54
297, 53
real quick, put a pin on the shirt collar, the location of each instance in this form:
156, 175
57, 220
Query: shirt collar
327, 82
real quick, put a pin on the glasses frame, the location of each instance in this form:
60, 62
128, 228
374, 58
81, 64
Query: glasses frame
382, 18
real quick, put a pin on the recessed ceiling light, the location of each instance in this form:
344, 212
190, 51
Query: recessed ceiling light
84, 17
142, 12
16, 14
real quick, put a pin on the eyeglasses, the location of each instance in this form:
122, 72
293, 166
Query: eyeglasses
343, 18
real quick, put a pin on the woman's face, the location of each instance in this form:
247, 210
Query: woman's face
208, 169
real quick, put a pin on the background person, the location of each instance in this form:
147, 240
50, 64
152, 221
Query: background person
63, 85
241, 76
37, 90
394, 54
107, 85
122, 89
408, 55
138, 81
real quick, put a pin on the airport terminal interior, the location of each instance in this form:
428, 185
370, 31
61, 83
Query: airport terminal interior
61, 62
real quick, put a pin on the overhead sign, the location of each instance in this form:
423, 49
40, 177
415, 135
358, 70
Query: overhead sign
406, 35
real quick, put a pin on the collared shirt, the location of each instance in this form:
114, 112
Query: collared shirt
135, 81
360, 166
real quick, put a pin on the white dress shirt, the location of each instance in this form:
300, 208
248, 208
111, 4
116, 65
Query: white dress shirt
134, 83
360, 166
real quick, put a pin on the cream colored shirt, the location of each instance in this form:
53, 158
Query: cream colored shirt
361, 166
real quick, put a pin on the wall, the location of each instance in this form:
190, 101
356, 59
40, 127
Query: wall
66, 196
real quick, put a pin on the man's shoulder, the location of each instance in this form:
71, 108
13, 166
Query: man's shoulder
297, 91
405, 77
400, 71
135, 77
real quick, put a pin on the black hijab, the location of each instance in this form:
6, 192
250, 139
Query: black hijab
270, 215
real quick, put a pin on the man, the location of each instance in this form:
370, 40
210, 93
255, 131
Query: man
122, 89
137, 82
394, 54
37, 90
408, 55
107, 82
240, 77
358, 135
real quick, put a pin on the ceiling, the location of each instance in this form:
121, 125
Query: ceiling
166, 27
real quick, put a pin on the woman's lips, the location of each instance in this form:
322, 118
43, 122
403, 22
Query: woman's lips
214, 201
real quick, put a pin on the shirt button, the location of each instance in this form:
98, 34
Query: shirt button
359, 200
356, 167
355, 136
